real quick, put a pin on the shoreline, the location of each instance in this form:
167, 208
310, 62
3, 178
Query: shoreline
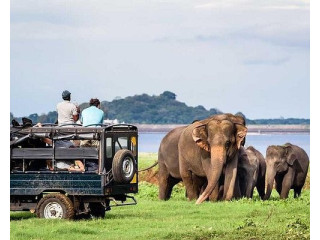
254, 129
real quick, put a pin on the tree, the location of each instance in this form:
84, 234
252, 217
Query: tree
11, 117
168, 95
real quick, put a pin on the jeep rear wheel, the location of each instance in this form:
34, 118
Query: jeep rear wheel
55, 206
123, 166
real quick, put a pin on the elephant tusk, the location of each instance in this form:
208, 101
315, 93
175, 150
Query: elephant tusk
202, 198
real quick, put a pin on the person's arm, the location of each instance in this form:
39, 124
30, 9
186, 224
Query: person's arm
46, 140
76, 113
102, 117
75, 117
78, 167
49, 164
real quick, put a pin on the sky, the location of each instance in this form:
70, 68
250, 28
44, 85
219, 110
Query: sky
234, 55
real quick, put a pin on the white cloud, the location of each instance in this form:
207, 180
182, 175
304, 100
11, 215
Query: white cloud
253, 4
169, 43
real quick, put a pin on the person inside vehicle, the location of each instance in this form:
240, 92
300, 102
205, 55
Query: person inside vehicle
91, 166
70, 165
59, 143
68, 113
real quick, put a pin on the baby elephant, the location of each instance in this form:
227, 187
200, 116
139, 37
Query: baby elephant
288, 166
251, 172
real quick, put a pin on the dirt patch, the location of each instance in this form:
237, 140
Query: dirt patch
150, 176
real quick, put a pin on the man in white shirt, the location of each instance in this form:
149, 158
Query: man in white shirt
68, 112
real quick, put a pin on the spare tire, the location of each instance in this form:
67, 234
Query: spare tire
123, 166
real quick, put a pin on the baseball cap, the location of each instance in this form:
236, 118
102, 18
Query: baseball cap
65, 94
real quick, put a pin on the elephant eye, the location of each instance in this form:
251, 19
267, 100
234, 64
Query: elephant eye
228, 143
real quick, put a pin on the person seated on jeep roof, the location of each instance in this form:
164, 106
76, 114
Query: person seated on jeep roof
68, 112
93, 114
89, 117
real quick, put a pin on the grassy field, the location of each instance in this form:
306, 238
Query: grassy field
178, 218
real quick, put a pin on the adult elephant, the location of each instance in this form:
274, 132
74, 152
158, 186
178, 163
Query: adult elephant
168, 160
206, 149
251, 172
288, 166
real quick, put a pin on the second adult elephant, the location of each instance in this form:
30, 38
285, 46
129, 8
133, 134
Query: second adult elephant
208, 147
251, 172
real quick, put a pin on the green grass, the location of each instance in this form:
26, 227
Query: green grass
147, 159
178, 218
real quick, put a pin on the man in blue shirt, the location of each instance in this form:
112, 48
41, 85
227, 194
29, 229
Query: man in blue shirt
93, 114
90, 116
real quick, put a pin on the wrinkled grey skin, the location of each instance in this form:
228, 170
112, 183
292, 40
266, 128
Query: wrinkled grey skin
208, 148
287, 165
168, 161
251, 172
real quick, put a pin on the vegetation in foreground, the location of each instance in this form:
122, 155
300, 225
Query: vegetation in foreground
178, 218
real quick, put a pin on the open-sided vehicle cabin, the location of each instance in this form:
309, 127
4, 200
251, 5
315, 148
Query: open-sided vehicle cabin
109, 157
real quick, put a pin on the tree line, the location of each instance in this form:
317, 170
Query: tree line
162, 109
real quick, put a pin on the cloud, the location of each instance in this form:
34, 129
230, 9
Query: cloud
254, 5
166, 43
50, 31
274, 62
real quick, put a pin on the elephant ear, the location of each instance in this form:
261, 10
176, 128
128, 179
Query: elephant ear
200, 136
290, 157
238, 120
241, 134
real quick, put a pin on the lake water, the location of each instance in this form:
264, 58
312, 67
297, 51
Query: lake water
150, 142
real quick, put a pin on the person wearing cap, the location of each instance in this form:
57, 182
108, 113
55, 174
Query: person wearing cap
93, 114
68, 112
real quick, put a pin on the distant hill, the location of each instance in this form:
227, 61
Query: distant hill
162, 109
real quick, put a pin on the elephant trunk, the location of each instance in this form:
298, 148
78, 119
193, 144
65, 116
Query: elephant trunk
218, 156
271, 173
249, 189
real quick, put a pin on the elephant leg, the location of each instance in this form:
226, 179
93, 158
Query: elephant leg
286, 184
171, 183
220, 195
186, 176
199, 184
230, 178
166, 183
237, 192
261, 184
190, 188
297, 191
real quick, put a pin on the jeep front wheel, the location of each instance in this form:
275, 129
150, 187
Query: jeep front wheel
55, 206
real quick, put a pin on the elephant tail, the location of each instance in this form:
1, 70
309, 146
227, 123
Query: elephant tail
153, 165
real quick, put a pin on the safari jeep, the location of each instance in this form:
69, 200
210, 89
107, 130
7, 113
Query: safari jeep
110, 170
